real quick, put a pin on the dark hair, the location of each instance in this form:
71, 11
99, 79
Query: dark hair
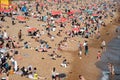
35, 68
53, 69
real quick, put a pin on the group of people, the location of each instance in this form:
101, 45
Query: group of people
75, 19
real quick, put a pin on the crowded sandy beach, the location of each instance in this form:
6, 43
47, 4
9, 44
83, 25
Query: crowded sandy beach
56, 39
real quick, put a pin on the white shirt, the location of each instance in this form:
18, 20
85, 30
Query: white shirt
54, 29
103, 43
84, 44
5, 35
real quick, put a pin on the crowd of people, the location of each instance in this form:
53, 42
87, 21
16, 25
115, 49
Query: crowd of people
59, 19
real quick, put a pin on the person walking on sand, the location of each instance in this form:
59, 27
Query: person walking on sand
103, 45
99, 55
86, 47
5, 35
111, 69
80, 50
20, 35
55, 74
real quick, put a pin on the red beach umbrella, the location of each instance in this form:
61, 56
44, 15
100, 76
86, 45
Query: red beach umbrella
20, 18
56, 12
76, 29
32, 29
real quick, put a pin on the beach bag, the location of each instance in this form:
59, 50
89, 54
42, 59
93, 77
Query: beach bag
35, 76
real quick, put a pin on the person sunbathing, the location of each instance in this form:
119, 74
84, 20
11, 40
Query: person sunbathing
54, 55
64, 63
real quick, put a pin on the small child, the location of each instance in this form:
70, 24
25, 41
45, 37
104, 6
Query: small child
99, 55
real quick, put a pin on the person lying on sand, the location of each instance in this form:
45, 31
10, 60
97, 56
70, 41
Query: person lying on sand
54, 55
64, 63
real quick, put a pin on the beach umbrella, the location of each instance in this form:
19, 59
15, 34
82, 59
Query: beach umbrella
71, 12
32, 29
95, 15
21, 18
56, 13
6, 10
1, 9
71, 17
14, 6
76, 29
62, 20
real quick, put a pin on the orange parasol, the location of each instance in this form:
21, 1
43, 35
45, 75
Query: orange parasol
76, 29
20, 18
95, 14
32, 29
62, 20
56, 12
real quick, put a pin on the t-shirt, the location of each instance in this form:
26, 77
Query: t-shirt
53, 73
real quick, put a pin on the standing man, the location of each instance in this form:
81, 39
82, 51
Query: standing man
80, 50
86, 47
13, 20
103, 45
20, 35
37, 5
111, 69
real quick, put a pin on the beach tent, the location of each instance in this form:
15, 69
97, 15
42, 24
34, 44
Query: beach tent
4, 3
